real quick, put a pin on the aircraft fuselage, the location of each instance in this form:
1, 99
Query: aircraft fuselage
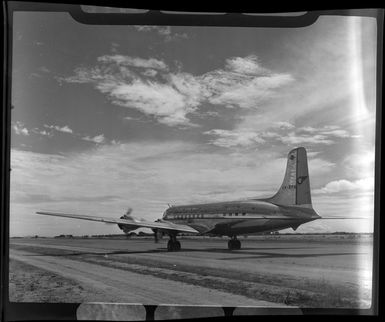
239, 217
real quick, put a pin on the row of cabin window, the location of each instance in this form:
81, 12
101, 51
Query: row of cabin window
201, 215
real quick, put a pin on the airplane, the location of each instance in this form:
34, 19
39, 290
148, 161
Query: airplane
290, 207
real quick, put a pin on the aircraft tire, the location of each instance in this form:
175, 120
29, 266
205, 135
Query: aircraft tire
237, 244
230, 244
173, 246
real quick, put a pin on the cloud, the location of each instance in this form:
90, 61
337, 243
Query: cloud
20, 129
277, 132
45, 133
164, 31
247, 65
283, 125
150, 72
149, 86
143, 175
243, 83
343, 185
133, 61
326, 135
36, 198
64, 129
229, 139
293, 139
96, 139
44, 69
328, 130
165, 102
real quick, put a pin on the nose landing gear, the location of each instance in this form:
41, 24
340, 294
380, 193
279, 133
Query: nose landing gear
234, 243
173, 244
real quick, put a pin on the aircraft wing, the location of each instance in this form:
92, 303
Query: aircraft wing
134, 222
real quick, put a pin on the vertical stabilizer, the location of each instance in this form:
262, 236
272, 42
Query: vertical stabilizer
295, 188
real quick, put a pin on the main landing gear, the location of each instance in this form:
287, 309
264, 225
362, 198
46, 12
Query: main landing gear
173, 244
234, 243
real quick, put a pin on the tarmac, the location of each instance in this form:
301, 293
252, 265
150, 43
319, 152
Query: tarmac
272, 272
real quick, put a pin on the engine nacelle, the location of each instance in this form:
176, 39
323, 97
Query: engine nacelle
126, 228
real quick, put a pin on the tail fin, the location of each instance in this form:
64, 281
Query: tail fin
295, 188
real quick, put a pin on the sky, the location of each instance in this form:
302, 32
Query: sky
110, 117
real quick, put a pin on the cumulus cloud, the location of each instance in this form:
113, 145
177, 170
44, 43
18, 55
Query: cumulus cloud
343, 185
45, 133
64, 129
96, 139
247, 65
20, 129
149, 86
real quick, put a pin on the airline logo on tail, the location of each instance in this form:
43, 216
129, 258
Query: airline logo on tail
301, 179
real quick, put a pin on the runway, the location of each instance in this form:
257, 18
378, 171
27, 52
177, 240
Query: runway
306, 272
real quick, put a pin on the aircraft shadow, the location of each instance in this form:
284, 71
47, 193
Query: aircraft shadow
100, 253
262, 254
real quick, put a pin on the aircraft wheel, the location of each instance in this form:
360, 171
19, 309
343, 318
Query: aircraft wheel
230, 244
237, 244
173, 246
